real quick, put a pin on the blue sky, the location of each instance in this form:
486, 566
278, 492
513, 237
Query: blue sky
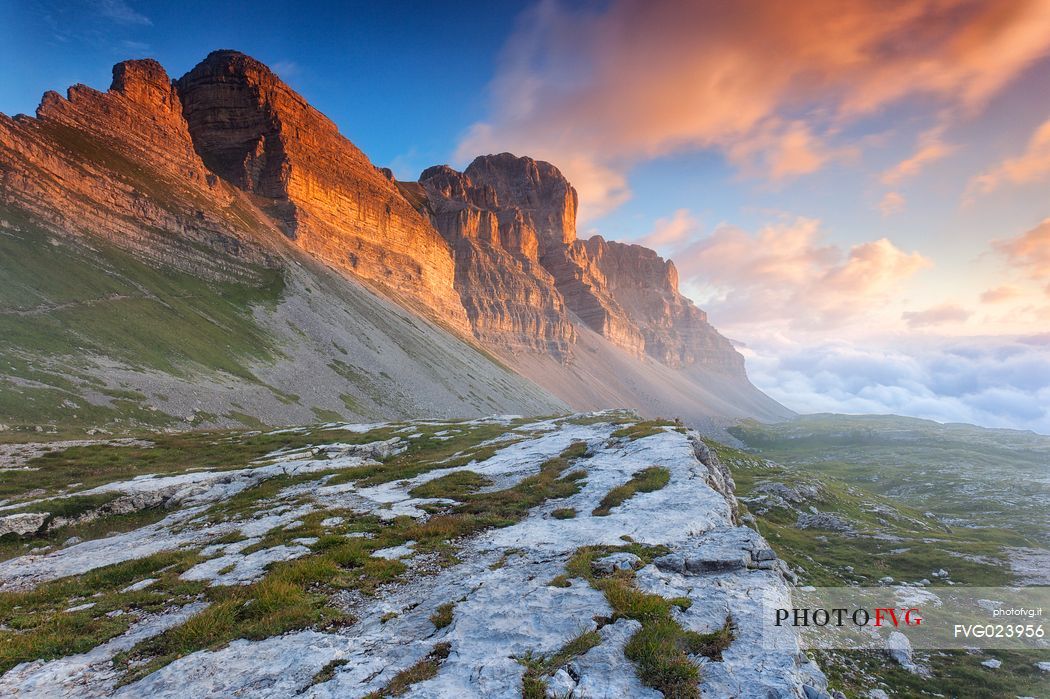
401, 79
860, 184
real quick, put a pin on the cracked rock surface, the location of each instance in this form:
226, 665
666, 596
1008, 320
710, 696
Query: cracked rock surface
504, 607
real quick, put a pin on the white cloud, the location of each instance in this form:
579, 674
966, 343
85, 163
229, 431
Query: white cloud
990, 381
1001, 294
931, 148
1031, 166
285, 69
787, 275
1028, 252
122, 13
944, 314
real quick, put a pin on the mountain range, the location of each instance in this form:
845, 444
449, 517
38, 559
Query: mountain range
211, 250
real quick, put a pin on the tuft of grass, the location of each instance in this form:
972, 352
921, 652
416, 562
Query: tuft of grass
711, 645
425, 669
442, 617
328, 671
660, 650
454, 485
539, 667
576, 450
645, 481
563, 513
640, 430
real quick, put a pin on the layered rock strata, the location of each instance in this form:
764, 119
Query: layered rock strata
257, 133
510, 298
520, 267
121, 165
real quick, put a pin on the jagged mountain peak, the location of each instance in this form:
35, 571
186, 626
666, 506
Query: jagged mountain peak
145, 81
532, 186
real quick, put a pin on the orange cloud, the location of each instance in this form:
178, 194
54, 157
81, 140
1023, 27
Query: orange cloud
672, 231
767, 83
892, 203
1031, 166
938, 315
1000, 294
930, 149
779, 151
785, 274
1030, 251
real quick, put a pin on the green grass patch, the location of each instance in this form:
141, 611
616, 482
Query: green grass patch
97, 464
645, 481
282, 601
425, 669
328, 671
539, 667
564, 513
35, 626
442, 616
455, 485
326, 415
75, 300
640, 430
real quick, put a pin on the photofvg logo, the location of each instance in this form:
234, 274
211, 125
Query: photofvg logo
913, 616
840, 616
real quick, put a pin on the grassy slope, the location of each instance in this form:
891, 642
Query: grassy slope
966, 475
62, 304
95, 337
899, 479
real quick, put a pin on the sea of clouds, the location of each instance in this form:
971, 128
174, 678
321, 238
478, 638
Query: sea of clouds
987, 381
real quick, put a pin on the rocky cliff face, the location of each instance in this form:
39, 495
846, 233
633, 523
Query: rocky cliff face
121, 165
509, 296
257, 133
526, 210
539, 194
675, 331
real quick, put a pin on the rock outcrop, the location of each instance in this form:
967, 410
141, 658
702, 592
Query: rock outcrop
540, 195
509, 296
675, 331
257, 133
497, 597
512, 221
121, 165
